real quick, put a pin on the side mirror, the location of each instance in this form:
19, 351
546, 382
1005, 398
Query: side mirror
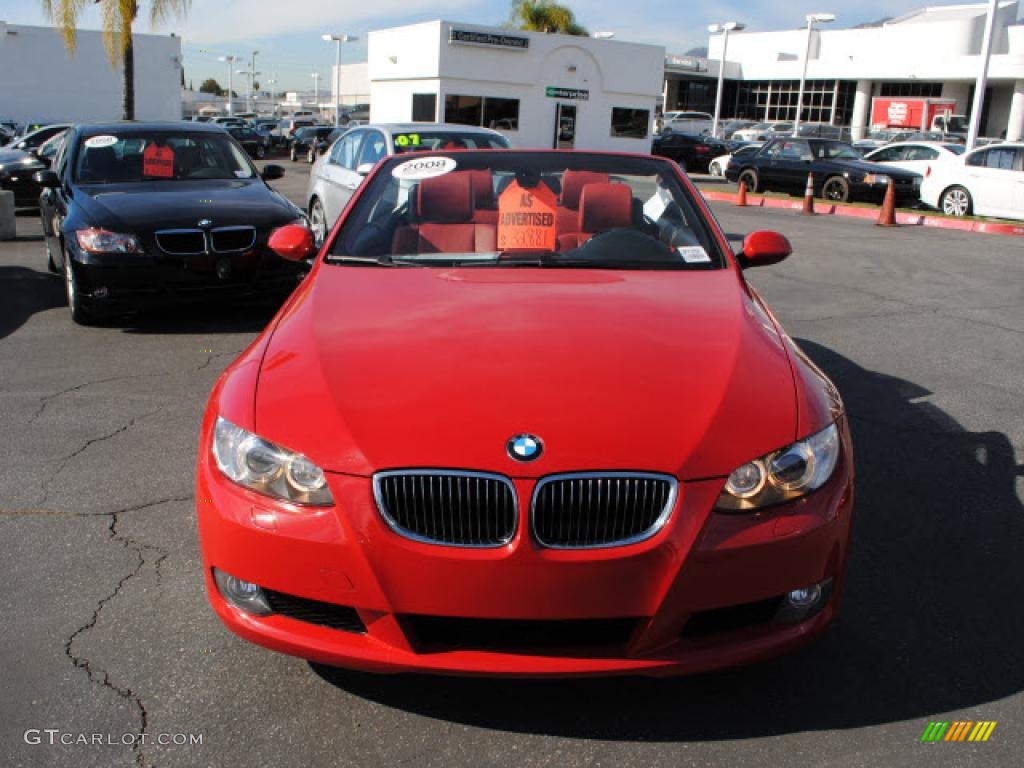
46, 179
763, 248
271, 172
364, 169
292, 242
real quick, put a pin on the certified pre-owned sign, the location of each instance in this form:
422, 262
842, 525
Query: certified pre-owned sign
567, 93
471, 37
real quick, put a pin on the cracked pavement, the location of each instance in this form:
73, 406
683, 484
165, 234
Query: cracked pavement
106, 628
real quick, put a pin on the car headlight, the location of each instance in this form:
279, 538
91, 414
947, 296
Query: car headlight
101, 241
875, 178
264, 467
782, 475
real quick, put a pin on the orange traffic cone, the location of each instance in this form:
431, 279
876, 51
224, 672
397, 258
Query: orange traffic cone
887, 216
809, 195
741, 198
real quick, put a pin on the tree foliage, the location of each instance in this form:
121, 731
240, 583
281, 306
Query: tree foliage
211, 86
545, 16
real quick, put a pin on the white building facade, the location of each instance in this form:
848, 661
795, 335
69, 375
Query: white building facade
934, 52
41, 82
540, 90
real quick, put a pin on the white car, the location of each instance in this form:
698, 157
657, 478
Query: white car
690, 123
339, 171
986, 182
915, 156
763, 132
720, 165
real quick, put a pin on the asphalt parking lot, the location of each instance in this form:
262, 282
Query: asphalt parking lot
107, 631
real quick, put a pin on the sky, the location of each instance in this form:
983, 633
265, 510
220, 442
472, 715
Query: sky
287, 34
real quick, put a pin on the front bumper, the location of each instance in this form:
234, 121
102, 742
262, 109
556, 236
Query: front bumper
717, 574
126, 282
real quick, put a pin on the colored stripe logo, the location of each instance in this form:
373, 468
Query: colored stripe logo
959, 730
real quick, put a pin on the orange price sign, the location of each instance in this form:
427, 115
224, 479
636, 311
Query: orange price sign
526, 218
158, 161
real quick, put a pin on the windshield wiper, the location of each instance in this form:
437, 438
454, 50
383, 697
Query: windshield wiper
377, 261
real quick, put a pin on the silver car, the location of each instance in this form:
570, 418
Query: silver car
338, 172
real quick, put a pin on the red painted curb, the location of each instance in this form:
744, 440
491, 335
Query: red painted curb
849, 211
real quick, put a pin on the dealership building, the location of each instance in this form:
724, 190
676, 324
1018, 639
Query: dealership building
933, 52
41, 82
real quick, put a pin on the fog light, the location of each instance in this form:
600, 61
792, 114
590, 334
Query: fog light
244, 595
801, 604
804, 598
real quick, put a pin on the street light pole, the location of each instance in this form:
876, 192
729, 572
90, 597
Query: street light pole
824, 18
316, 89
338, 40
725, 28
231, 62
982, 82
252, 77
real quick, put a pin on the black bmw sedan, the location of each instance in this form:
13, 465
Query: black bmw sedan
139, 214
693, 153
18, 168
840, 174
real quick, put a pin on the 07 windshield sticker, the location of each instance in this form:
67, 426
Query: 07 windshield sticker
407, 140
424, 168
158, 162
98, 142
526, 218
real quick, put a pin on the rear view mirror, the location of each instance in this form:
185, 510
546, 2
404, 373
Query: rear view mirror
292, 242
364, 169
762, 248
271, 172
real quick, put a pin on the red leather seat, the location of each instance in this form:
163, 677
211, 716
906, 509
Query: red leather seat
445, 206
485, 206
603, 206
567, 215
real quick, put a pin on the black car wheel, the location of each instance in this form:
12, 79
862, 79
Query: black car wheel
50, 264
318, 221
956, 201
750, 179
76, 303
261, 151
836, 189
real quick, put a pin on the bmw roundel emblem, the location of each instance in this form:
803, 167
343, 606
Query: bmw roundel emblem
524, 447
205, 223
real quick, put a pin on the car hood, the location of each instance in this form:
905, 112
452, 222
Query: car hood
14, 156
148, 205
376, 368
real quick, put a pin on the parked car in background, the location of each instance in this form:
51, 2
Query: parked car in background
254, 142
226, 122
824, 131
290, 125
718, 166
728, 128
693, 153
986, 182
18, 168
305, 141
34, 139
763, 131
914, 156
691, 123
840, 173
337, 174
123, 221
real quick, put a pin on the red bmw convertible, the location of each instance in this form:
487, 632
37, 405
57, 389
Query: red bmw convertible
525, 416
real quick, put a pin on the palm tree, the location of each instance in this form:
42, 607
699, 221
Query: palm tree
118, 17
545, 16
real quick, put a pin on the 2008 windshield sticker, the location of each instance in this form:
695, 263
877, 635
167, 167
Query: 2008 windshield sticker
97, 142
424, 168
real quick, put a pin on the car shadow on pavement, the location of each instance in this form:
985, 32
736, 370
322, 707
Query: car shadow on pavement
25, 292
930, 622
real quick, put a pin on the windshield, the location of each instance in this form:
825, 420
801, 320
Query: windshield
536, 209
163, 156
957, 124
835, 150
